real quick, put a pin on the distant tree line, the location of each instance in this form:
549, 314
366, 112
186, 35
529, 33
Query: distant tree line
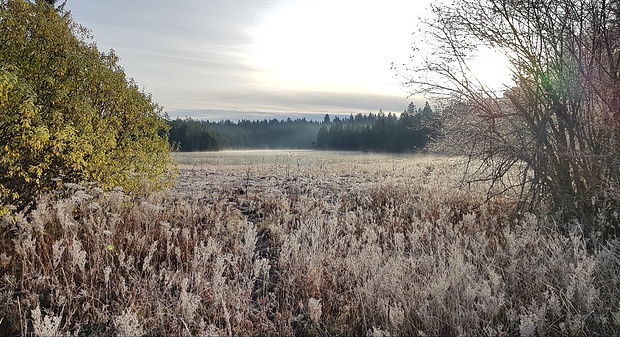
363, 132
379, 132
198, 135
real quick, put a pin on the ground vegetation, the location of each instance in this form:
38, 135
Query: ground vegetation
315, 244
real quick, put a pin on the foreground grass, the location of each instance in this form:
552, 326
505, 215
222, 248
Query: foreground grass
298, 246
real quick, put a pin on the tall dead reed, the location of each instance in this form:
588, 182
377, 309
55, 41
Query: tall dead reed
379, 248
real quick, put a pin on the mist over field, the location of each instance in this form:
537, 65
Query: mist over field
410, 131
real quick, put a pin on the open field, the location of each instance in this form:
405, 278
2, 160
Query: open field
301, 243
259, 171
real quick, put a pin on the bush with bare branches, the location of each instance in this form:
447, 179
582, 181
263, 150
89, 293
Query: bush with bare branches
558, 124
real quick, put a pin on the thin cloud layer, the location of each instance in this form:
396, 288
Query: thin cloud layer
218, 55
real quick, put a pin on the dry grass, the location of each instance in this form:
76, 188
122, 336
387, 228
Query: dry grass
279, 243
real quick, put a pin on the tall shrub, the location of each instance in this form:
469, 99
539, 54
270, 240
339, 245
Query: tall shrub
558, 124
68, 113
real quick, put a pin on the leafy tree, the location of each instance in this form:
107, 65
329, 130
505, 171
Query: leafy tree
68, 113
558, 126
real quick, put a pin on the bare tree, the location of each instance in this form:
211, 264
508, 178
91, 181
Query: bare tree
558, 125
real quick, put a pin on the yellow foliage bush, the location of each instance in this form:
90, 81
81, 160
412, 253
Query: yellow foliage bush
69, 113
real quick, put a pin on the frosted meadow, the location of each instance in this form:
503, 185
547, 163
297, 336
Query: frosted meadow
302, 243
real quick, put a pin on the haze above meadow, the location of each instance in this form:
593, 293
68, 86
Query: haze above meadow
262, 59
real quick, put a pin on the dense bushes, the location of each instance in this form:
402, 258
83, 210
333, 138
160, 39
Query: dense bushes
68, 113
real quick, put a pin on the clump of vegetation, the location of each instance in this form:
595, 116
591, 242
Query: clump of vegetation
558, 123
375, 247
68, 113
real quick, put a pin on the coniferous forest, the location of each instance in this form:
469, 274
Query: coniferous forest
375, 132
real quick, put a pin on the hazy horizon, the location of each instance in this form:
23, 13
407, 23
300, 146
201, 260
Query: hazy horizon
262, 58
258, 59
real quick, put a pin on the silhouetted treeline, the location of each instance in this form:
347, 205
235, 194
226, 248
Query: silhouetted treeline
363, 132
379, 132
196, 135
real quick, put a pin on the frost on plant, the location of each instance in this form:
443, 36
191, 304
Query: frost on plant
315, 310
127, 324
370, 245
45, 325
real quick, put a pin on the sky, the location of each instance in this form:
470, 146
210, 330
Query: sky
256, 59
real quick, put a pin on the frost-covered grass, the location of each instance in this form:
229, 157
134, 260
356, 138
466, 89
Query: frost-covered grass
305, 243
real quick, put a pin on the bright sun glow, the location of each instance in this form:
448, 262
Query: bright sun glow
348, 44
331, 44
491, 68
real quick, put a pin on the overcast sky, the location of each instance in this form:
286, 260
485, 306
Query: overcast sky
235, 59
